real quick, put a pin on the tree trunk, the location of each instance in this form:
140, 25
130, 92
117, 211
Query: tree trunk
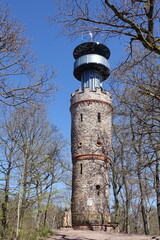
4, 206
48, 202
22, 196
127, 205
38, 199
18, 210
6, 200
127, 202
115, 192
158, 187
116, 201
142, 204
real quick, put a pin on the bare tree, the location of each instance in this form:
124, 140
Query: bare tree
133, 19
6, 167
131, 179
32, 149
137, 108
20, 81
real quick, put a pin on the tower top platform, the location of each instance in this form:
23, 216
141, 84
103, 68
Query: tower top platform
91, 48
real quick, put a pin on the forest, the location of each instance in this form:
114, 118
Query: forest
33, 150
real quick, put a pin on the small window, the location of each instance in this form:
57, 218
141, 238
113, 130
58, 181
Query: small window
81, 117
79, 144
99, 143
98, 189
81, 168
99, 117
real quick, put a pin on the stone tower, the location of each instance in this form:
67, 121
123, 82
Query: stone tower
91, 110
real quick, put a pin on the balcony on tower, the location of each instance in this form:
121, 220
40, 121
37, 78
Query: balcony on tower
91, 65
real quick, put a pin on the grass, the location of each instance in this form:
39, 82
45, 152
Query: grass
33, 234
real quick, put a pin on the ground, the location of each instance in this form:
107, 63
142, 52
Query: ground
70, 234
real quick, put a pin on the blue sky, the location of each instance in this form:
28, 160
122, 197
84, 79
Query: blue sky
55, 51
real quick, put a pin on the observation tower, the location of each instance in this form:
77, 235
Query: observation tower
91, 110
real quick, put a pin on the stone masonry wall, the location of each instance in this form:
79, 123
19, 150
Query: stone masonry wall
90, 141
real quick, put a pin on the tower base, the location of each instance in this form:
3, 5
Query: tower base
108, 227
94, 222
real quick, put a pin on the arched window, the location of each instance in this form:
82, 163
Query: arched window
98, 189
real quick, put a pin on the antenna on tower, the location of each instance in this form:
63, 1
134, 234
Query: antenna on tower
82, 37
91, 35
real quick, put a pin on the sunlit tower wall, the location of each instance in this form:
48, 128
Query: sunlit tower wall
91, 110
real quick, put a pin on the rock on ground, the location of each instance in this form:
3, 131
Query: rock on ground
70, 234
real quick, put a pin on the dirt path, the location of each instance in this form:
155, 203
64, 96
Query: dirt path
70, 234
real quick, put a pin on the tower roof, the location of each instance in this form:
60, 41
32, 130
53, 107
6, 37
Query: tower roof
91, 48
